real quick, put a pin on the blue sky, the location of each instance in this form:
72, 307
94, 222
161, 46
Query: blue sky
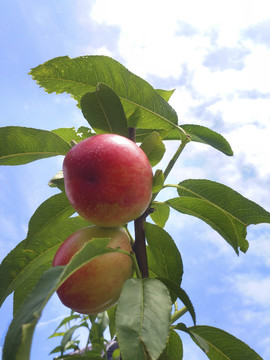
216, 55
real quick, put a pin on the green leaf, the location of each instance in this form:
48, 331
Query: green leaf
56, 335
221, 345
58, 181
182, 295
49, 226
225, 210
166, 94
81, 75
203, 135
142, 317
70, 134
154, 148
19, 336
164, 258
67, 337
104, 112
66, 320
53, 209
174, 348
158, 181
21, 145
161, 213
111, 314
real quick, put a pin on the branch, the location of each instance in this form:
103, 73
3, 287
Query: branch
139, 246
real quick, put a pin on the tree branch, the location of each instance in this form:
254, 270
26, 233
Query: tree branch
139, 246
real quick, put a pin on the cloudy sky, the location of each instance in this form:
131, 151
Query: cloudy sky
216, 54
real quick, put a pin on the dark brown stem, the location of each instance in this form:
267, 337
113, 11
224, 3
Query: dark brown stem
132, 134
139, 246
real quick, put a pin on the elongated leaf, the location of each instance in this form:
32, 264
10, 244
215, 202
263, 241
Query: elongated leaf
174, 348
104, 112
154, 148
161, 213
21, 145
19, 336
71, 134
82, 74
63, 322
203, 135
143, 319
164, 258
67, 337
225, 210
221, 345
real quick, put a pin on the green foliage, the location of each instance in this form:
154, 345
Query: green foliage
164, 258
174, 347
202, 134
143, 106
154, 148
225, 210
104, 112
21, 145
143, 319
218, 344
19, 335
112, 100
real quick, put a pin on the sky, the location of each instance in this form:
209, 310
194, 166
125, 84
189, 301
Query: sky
216, 55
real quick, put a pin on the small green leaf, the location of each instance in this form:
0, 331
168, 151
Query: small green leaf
19, 336
158, 181
104, 112
174, 348
154, 148
225, 210
66, 320
142, 317
21, 145
164, 258
220, 344
161, 213
203, 135
58, 181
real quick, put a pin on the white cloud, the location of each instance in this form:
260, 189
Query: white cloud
254, 289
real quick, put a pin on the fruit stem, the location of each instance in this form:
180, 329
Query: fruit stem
136, 266
175, 157
172, 162
178, 314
